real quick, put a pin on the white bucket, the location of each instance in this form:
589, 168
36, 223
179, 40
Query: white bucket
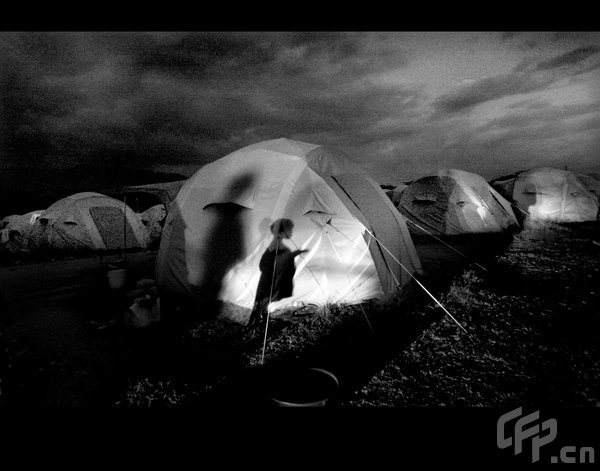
116, 278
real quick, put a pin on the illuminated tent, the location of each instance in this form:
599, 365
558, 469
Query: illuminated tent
218, 229
591, 183
89, 221
552, 194
454, 202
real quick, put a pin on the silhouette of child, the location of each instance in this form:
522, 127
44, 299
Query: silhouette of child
277, 268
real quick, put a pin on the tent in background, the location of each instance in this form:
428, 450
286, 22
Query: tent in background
33, 216
153, 220
550, 194
219, 227
396, 193
16, 230
152, 194
591, 183
454, 202
88, 221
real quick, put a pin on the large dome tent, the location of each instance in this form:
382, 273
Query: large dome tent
89, 221
455, 202
219, 227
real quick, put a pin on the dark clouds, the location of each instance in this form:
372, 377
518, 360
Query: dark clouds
537, 40
487, 89
540, 114
154, 99
569, 58
202, 55
141, 98
531, 133
526, 77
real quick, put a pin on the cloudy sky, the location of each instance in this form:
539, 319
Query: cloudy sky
403, 104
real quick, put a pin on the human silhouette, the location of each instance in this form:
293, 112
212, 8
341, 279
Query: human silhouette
223, 247
277, 271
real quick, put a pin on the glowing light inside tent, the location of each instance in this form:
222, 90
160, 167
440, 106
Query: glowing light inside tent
481, 211
545, 208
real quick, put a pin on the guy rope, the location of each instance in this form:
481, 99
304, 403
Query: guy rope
367, 319
409, 273
262, 358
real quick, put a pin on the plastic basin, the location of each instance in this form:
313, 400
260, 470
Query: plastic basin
307, 387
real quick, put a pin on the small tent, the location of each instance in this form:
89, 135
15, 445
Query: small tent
153, 219
454, 202
89, 221
552, 194
153, 194
219, 228
395, 193
16, 231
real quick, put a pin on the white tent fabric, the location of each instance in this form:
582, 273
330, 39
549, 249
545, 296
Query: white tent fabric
591, 183
16, 231
218, 228
33, 216
454, 202
153, 219
165, 192
551, 194
89, 221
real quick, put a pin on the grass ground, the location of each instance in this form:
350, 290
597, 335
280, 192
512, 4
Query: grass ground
532, 319
533, 332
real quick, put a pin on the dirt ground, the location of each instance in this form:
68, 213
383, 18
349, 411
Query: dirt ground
529, 305
65, 329
533, 323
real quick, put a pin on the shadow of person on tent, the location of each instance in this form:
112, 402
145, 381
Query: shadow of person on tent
223, 246
198, 249
277, 271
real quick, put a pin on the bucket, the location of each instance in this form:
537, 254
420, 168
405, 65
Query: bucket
116, 278
310, 387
